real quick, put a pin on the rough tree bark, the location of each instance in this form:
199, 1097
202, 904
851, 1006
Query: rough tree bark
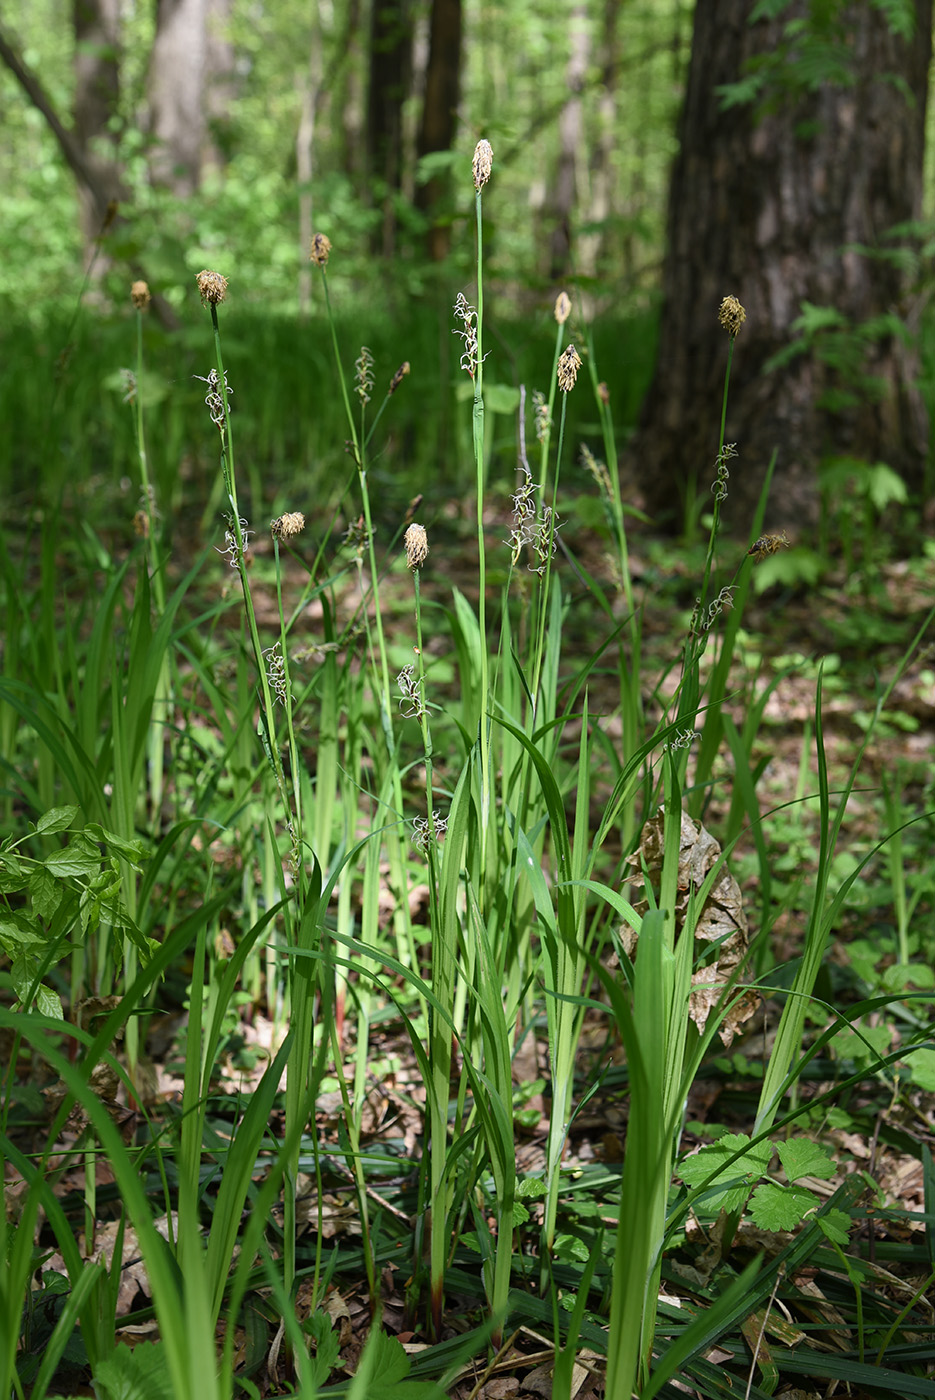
390, 84
440, 112
769, 210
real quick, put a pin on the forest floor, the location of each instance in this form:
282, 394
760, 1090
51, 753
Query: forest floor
860, 624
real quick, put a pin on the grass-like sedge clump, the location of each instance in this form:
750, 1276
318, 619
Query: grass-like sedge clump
402, 819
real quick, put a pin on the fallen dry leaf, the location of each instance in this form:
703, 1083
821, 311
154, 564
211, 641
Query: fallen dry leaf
720, 923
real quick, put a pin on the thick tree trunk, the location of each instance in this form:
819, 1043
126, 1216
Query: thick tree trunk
390, 83
440, 112
769, 210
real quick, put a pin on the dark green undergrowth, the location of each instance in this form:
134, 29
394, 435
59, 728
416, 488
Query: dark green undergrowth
62, 397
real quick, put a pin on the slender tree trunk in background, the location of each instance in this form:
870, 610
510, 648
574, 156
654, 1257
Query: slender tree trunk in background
592, 247
768, 210
221, 84
390, 83
347, 97
440, 114
177, 68
101, 186
571, 144
190, 83
96, 100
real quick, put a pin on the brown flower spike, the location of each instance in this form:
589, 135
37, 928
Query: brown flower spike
287, 526
731, 315
417, 547
212, 286
139, 295
568, 366
562, 308
766, 545
320, 249
398, 377
483, 163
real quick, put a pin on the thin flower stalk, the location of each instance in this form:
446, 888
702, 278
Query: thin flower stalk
162, 695
286, 528
394, 384
359, 449
162, 698
731, 317
238, 549
301, 931
442, 985
141, 300
566, 375
483, 157
562, 311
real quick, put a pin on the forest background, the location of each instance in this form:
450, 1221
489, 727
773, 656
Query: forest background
649, 160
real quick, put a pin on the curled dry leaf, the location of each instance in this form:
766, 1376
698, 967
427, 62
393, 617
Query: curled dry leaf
721, 921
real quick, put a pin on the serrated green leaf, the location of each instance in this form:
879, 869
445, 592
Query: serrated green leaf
750, 1165
56, 819
327, 1346
140, 1373
390, 1362
885, 486
49, 1003
863, 1047
23, 975
13, 874
921, 1065
18, 933
570, 1249
835, 1225
818, 318
729, 1188
531, 1186
79, 857
131, 850
802, 1157
45, 892
781, 1207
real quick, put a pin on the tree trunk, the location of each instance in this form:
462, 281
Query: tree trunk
96, 100
177, 67
440, 113
769, 210
390, 82
222, 85
593, 247
102, 187
571, 143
